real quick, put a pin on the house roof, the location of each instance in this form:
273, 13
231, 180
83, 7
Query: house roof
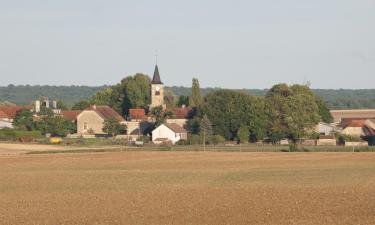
70, 114
11, 111
353, 122
183, 113
175, 127
156, 78
137, 113
107, 112
352, 113
3, 115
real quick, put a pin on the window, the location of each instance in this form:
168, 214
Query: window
157, 93
85, 126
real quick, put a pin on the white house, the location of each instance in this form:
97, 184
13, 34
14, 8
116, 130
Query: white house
168, 132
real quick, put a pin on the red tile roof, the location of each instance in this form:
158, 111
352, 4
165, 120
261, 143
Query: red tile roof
11, 111
137, 113
107, 112
353, 122
182, 113
3, 115
70, 114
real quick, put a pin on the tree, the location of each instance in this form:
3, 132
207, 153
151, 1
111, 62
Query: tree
206, 126
61, 105
113, 127
243, 135
160, 116
56, 126
169, 98
131, 92
324, 112
183, 101
24, 120
196, 98
293, 111
81, 105
229, 110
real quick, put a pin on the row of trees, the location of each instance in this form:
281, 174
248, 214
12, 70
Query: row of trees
285, 112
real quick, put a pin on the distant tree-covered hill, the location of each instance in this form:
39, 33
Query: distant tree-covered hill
26, 94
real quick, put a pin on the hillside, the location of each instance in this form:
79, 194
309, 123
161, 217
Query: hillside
26, 94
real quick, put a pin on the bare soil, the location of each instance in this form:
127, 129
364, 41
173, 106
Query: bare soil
188, 188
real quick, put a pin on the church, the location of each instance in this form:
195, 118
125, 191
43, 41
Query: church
139, 120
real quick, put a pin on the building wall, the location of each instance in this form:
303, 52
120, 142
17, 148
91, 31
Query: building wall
353, 131
157, 100
93, 121
326, 142
180, 122
6, 124
325, 129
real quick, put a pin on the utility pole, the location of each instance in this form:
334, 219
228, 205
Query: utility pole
204, 141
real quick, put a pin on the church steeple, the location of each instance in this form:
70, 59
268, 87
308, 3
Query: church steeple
156, 78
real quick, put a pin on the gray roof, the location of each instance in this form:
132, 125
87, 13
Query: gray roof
156, 78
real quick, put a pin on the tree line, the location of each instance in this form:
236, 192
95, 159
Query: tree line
69, 95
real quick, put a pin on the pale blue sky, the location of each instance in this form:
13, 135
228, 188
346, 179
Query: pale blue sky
230, 44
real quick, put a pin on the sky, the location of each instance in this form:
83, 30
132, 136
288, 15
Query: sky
228, 44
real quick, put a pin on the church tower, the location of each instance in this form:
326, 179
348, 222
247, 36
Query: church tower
157, 90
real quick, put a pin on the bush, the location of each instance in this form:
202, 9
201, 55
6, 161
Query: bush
194, 139
293, 147
144, 139
182, 142
217, 139
13, 135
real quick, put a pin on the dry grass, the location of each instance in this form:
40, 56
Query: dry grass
188, 188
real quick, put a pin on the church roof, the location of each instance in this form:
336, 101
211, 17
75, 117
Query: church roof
156, 78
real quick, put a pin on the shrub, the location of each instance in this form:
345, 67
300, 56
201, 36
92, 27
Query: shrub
144, 139
11, 134
217, 139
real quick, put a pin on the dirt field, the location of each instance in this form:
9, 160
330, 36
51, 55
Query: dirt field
188, 188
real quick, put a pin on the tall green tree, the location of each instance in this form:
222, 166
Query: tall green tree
229, 110
81, 105
195, 99
113, 127
243, 134
24, 120
160, 116
183, 101
206, 126
292, 110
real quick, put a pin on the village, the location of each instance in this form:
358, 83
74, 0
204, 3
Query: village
348, 128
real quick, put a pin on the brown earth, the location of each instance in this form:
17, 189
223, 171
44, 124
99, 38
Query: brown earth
188, 188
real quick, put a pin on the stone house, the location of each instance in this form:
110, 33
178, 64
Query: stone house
91, 121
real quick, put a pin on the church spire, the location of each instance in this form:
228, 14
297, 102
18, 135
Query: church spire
156, 78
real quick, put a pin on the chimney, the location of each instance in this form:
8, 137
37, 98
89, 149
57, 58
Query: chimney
37, 106
54, 103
